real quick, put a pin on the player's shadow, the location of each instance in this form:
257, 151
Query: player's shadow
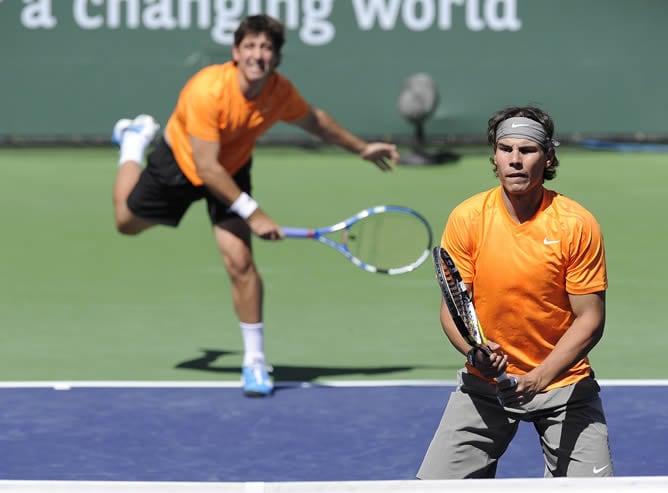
208, 362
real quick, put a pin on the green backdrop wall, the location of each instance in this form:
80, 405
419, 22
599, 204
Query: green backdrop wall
72, 67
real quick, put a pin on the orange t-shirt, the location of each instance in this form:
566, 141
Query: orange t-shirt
211, 107
521, 274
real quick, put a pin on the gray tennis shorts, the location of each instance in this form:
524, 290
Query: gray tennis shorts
475, 431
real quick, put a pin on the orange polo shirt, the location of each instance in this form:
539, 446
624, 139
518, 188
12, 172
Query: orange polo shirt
522, 273
211, 107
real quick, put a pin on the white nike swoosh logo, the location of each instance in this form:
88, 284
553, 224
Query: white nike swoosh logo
550, 242
596, 470
515, 125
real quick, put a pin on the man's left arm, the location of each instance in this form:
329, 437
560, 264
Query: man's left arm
577, 341
319, 123
583, 334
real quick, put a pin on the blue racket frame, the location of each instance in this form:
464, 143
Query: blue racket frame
318, 234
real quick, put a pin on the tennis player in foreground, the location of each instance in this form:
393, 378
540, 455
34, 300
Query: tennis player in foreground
206, 153
534, 262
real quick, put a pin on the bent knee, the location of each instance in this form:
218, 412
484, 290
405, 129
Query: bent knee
127, 229
125, 221
130, 225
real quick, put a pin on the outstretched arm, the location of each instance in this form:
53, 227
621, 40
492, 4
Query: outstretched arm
319, 123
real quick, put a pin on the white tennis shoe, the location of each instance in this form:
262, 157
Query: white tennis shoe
144, 125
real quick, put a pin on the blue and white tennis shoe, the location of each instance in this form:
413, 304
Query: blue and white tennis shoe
255, 379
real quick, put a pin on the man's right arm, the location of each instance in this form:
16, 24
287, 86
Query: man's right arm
214, 176
451, 331
490, 365
220, 183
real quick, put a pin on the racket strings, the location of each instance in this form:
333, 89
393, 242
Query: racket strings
388, 240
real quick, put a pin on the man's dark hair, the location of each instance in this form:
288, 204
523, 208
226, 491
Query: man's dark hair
258, 24
534, 113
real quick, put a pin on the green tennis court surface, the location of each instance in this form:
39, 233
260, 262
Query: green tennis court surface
80, 302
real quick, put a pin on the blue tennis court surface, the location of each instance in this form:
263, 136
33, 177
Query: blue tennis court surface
302, 433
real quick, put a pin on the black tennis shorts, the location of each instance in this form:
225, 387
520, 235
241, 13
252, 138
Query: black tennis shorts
163, 194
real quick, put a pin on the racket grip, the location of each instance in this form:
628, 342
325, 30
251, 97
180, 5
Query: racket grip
507, 381
297, 232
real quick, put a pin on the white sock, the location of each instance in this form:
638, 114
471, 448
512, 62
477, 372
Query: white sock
253, 336
133, 146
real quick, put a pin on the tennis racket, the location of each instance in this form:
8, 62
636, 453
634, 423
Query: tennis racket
459, 302
386, 239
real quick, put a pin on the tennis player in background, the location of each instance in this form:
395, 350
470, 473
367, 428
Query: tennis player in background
534, 262
206, 153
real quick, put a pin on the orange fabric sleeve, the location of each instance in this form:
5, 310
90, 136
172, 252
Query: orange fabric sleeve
198, 106
587, 273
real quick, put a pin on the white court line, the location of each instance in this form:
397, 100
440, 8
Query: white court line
642, 484
65, 385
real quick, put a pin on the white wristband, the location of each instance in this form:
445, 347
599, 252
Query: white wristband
244, 206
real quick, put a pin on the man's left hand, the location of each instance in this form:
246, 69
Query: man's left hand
381, 154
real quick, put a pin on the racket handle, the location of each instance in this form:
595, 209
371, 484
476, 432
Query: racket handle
297, 232
511, 381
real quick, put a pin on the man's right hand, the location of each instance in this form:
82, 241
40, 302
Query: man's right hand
491, 361
264, 227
